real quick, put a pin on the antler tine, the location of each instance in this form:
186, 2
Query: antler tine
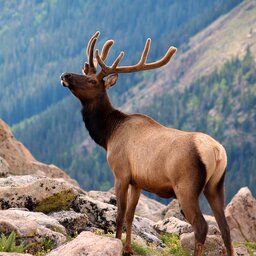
145, 51
140, 66
96, 35
91, 62
105, 49
117, 61
106, 70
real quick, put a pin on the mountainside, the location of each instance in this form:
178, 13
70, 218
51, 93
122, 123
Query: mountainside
194, 84
42, 39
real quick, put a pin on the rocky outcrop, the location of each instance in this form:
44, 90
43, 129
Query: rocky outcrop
19, 161
173, 225
36, 193
241, 216
32, 228
89, 244
73, 222
173, 210
29, 190
101, 215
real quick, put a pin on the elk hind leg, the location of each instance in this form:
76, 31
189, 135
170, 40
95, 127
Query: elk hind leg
190, 207
215, 196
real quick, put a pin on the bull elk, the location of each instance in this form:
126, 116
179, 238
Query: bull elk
144, 154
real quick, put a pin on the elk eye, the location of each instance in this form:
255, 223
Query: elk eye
91, 81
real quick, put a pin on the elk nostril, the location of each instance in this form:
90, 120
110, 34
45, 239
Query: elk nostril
65, 76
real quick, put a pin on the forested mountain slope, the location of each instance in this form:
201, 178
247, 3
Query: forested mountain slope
42, 39
56, 133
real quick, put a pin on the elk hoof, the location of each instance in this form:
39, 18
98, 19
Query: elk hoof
127, 251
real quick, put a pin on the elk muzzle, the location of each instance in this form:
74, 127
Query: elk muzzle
65, 79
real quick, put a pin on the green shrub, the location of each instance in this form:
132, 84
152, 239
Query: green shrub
8, 244
173, 243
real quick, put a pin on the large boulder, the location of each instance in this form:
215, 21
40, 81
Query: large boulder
36, 193
20, 161
101, 215
173, 209
74, 222
32, 228
149, 208
89, 244
241, 216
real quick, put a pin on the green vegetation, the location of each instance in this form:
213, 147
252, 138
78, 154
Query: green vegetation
142, 250
173, 244
46, 246
250, 246
8, 244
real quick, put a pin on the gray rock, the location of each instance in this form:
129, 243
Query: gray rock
173, 209
149, 208
32, 227
4, 168
100, 214
213, 245
173, 225
143, 228
103, 196
24, 223
89, 244
241, 216
74, 222
36, 193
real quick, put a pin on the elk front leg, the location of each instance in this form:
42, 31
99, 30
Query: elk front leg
121, 189
133, 197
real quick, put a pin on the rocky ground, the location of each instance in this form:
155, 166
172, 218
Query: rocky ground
47, 213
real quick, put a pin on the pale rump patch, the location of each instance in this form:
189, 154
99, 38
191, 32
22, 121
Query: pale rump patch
213, 156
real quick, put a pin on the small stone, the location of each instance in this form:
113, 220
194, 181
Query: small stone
173, 225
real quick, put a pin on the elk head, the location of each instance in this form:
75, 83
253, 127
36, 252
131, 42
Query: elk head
90, 85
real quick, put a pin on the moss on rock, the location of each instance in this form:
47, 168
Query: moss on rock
57, 202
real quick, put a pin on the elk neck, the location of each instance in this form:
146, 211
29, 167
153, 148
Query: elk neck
101, 119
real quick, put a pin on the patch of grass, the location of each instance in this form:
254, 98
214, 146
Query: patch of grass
46, 246
142, 250
8, 244
250, 246
172, 241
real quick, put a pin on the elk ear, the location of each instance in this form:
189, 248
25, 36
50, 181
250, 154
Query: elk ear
111, 80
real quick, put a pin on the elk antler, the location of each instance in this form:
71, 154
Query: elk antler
140, 66
91, 66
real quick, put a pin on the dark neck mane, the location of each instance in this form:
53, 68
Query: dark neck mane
101, 119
